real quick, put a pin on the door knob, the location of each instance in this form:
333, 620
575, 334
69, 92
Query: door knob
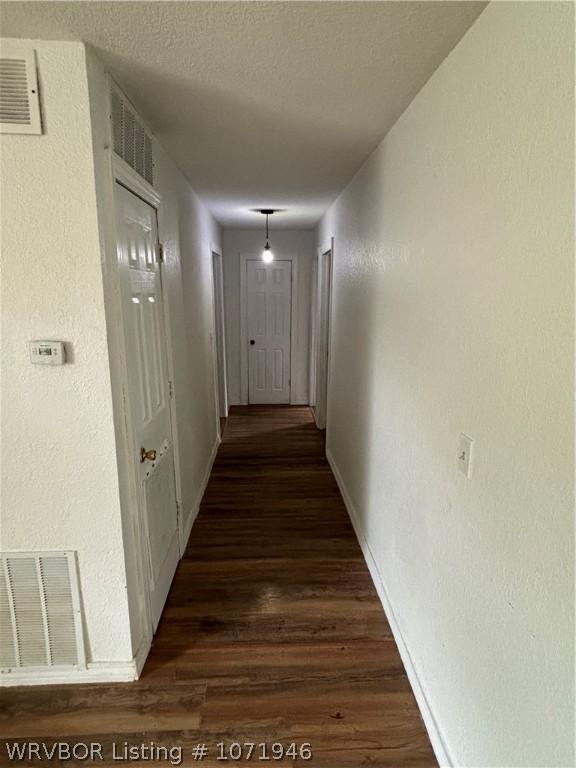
147, 455
252, 342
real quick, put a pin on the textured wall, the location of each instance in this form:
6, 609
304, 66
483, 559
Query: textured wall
285, 243
243, 131
189, 234
59, 477
453, 312
60, 471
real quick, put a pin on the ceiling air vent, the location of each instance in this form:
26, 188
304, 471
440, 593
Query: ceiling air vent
19, 102
132, 142
40, 622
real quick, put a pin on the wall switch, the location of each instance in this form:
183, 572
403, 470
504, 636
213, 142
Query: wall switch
47, 352
465, 454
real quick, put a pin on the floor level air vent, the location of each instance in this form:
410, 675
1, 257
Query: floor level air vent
40, 622
131, 140
19, 101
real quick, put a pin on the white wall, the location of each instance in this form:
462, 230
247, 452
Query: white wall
64, 483
59, 478
286, 244
453, 312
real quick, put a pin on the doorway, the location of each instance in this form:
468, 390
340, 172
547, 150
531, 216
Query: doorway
320, 347
219, 335
147, 393
268, 325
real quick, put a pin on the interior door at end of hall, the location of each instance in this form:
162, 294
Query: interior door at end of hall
269, 309
137, 250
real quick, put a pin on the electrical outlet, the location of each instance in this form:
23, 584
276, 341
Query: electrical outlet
465, 454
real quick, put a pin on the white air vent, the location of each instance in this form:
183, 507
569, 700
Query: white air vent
19, 102
131, 140
40, 622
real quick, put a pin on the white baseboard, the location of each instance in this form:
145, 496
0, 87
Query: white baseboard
293, 401
104, 671
96, 672
193, 514
438, 744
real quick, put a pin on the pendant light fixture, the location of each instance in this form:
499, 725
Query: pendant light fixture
267, 254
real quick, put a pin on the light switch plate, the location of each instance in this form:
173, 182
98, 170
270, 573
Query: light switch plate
47, 352
465, 447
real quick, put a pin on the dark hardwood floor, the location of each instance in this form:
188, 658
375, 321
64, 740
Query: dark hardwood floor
272, 632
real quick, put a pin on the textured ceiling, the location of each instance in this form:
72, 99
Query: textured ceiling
261, 104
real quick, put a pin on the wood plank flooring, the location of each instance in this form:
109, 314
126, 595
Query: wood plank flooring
272, 632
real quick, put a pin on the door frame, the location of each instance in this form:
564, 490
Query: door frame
219, 335
321, 336
121, 173
244, 258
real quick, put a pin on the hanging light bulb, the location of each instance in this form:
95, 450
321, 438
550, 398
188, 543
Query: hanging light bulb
267, 254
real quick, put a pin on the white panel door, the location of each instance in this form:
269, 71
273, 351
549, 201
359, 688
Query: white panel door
269, 292
137, 241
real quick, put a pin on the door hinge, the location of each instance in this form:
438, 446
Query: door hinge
170, 389
160, 253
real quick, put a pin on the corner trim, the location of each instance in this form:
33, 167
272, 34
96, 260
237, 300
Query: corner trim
438, 744
193, 514
141, 655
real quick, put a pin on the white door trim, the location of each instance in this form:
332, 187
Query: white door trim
219, 335
330, 248
244, 259
127, 176
327, 246
293, 323
321, 341
313, 341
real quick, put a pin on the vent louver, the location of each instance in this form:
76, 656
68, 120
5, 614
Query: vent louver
131, 140
40, 623
19, 102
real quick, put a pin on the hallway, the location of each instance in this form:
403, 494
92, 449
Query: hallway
272, 632
233, 220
